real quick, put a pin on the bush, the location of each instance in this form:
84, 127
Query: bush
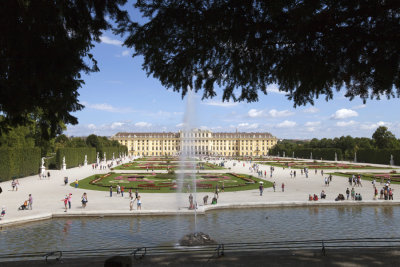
75, 156
378, 156
18, 162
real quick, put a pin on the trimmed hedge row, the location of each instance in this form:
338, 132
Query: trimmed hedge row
317, 153
75, 156
112, 149
378, 156
19, 162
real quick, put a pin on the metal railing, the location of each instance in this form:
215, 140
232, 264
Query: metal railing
214, 250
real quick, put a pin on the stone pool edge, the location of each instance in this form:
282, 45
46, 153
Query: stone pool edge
201, 210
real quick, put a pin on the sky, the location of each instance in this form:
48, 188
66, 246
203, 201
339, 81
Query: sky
122, 98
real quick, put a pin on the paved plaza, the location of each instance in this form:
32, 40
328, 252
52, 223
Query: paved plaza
48, 194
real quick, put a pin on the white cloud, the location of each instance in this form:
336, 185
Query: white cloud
286, 124
106, 107
108, 40
179, 125
311, 110
115, 125
277, 114
248, 126
344, 114
274, 89
312, 123
359, 106
372, 126
220, 104
91, 126
143, 124
254, 113
345, 123
311, 129
125, 53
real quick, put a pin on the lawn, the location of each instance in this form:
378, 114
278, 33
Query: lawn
395, 177
167, 165
319, 165
168, 183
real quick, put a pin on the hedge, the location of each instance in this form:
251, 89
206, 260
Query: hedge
378, 156
317, 153
19, 162
110, 150
75, 156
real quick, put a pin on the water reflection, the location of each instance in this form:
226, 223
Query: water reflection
227, 226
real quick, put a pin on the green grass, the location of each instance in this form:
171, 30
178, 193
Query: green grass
364, 176
231, 185
156, 166
322, 165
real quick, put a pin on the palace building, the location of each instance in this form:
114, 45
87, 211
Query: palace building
198, 142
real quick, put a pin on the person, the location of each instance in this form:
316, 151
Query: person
353, 193
359, 197
375, 193
390, 194
190, 201
214, 200
111, 191
13, 185
16, 185
283, 187
274, 186
3, 212
84, 200
261, 187
69, 200
131, 201
136, 193
130, 192
30, 201
205, 199
323, 195
65, 200
381, 197
24, 206
1, 190
76, 183
310, 198
122, 191
223, 187
139, 203
347, 193
65, 180
315, 197
48, 174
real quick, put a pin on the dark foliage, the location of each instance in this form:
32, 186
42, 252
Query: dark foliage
44, 47
309, 48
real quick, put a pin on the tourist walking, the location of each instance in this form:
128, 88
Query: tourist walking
65, 200
131, 201
69, 200
139, 203
111, 191
261, 188
84, 200
13, 183
205, 199
347, 193
65, 180
274, 186
130, 192
30, 201
283, 187
136, 194
122, 191
76, 183
353, 193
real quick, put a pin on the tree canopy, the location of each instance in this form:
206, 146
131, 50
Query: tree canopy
44, 47
308, 47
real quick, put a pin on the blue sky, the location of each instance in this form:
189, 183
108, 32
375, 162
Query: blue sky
122, 98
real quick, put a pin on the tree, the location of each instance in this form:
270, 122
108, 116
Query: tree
44, 47
92, 140
307, 48
384, 138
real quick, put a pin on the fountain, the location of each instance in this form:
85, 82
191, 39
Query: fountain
187, 154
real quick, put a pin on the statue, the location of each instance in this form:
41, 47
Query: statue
42, 168
42, 162
97, 158
113, 156
105, 159
355, 156
85, 162
293, 154
64, 160
283, 153
64, 165
311, 155
335, 156
391, 160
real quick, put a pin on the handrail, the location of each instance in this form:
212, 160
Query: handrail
222, 248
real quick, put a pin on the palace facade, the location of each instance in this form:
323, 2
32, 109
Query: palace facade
197, 142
